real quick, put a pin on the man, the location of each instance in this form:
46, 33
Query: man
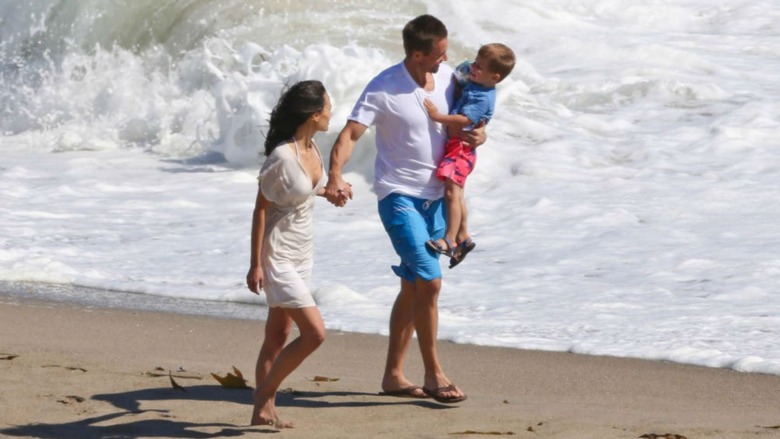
409, 146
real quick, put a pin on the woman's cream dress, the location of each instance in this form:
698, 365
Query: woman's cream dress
288, 239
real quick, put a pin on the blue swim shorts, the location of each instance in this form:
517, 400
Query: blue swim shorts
410, 222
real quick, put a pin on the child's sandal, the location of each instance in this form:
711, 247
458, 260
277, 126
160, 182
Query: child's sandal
435, 246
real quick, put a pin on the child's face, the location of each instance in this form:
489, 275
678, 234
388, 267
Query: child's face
480, 74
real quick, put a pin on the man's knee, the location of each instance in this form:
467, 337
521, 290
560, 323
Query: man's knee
428, 289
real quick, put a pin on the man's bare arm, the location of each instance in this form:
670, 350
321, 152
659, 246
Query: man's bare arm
337, 191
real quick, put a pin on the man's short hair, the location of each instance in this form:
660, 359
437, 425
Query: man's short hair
422, 34
500, 59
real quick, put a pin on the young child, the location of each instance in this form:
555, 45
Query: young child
494, 62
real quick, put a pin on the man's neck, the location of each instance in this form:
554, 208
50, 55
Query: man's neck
423, 78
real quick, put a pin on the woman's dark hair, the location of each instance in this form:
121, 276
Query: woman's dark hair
295, 106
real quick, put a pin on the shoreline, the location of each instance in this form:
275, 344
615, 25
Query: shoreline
98, 298
84, 372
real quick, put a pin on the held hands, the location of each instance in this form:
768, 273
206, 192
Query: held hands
338, 192
254, 279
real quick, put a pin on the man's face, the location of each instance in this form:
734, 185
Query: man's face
437, 56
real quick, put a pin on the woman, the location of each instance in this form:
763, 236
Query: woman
282, 240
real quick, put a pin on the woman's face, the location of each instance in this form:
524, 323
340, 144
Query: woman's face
324, 115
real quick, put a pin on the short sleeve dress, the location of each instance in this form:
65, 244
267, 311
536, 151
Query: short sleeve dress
288, 238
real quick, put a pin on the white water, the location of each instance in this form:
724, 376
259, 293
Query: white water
625, 203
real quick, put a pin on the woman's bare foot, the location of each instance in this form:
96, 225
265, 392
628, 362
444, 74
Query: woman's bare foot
271, 421
264, 413
275, 423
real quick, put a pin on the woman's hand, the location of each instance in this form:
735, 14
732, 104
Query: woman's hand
254, 279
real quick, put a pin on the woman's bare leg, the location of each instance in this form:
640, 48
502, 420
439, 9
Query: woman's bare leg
312, 334
277, 329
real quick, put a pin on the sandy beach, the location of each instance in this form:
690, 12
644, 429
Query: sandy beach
71, 372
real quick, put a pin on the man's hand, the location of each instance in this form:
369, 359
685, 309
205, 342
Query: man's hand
474, 137
338, 191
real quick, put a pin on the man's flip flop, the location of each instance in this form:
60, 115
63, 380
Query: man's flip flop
461, 251
416, 392
436, 394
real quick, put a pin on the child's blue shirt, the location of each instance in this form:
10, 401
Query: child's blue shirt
477, 103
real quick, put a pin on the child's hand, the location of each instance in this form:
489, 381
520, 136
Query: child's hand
430, 107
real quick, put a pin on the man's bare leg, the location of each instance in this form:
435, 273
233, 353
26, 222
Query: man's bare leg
426, 323
401, 332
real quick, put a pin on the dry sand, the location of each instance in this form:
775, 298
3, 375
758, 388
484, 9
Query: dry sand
70, 372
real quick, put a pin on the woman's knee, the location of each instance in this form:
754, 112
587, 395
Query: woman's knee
314, 337
275, 338
310, 326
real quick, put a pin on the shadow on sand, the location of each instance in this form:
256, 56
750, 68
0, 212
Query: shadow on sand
131, 422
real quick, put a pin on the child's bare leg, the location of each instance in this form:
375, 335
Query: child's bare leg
463, 231
452, 195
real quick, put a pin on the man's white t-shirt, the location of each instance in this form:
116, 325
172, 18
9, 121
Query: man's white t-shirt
409, 144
